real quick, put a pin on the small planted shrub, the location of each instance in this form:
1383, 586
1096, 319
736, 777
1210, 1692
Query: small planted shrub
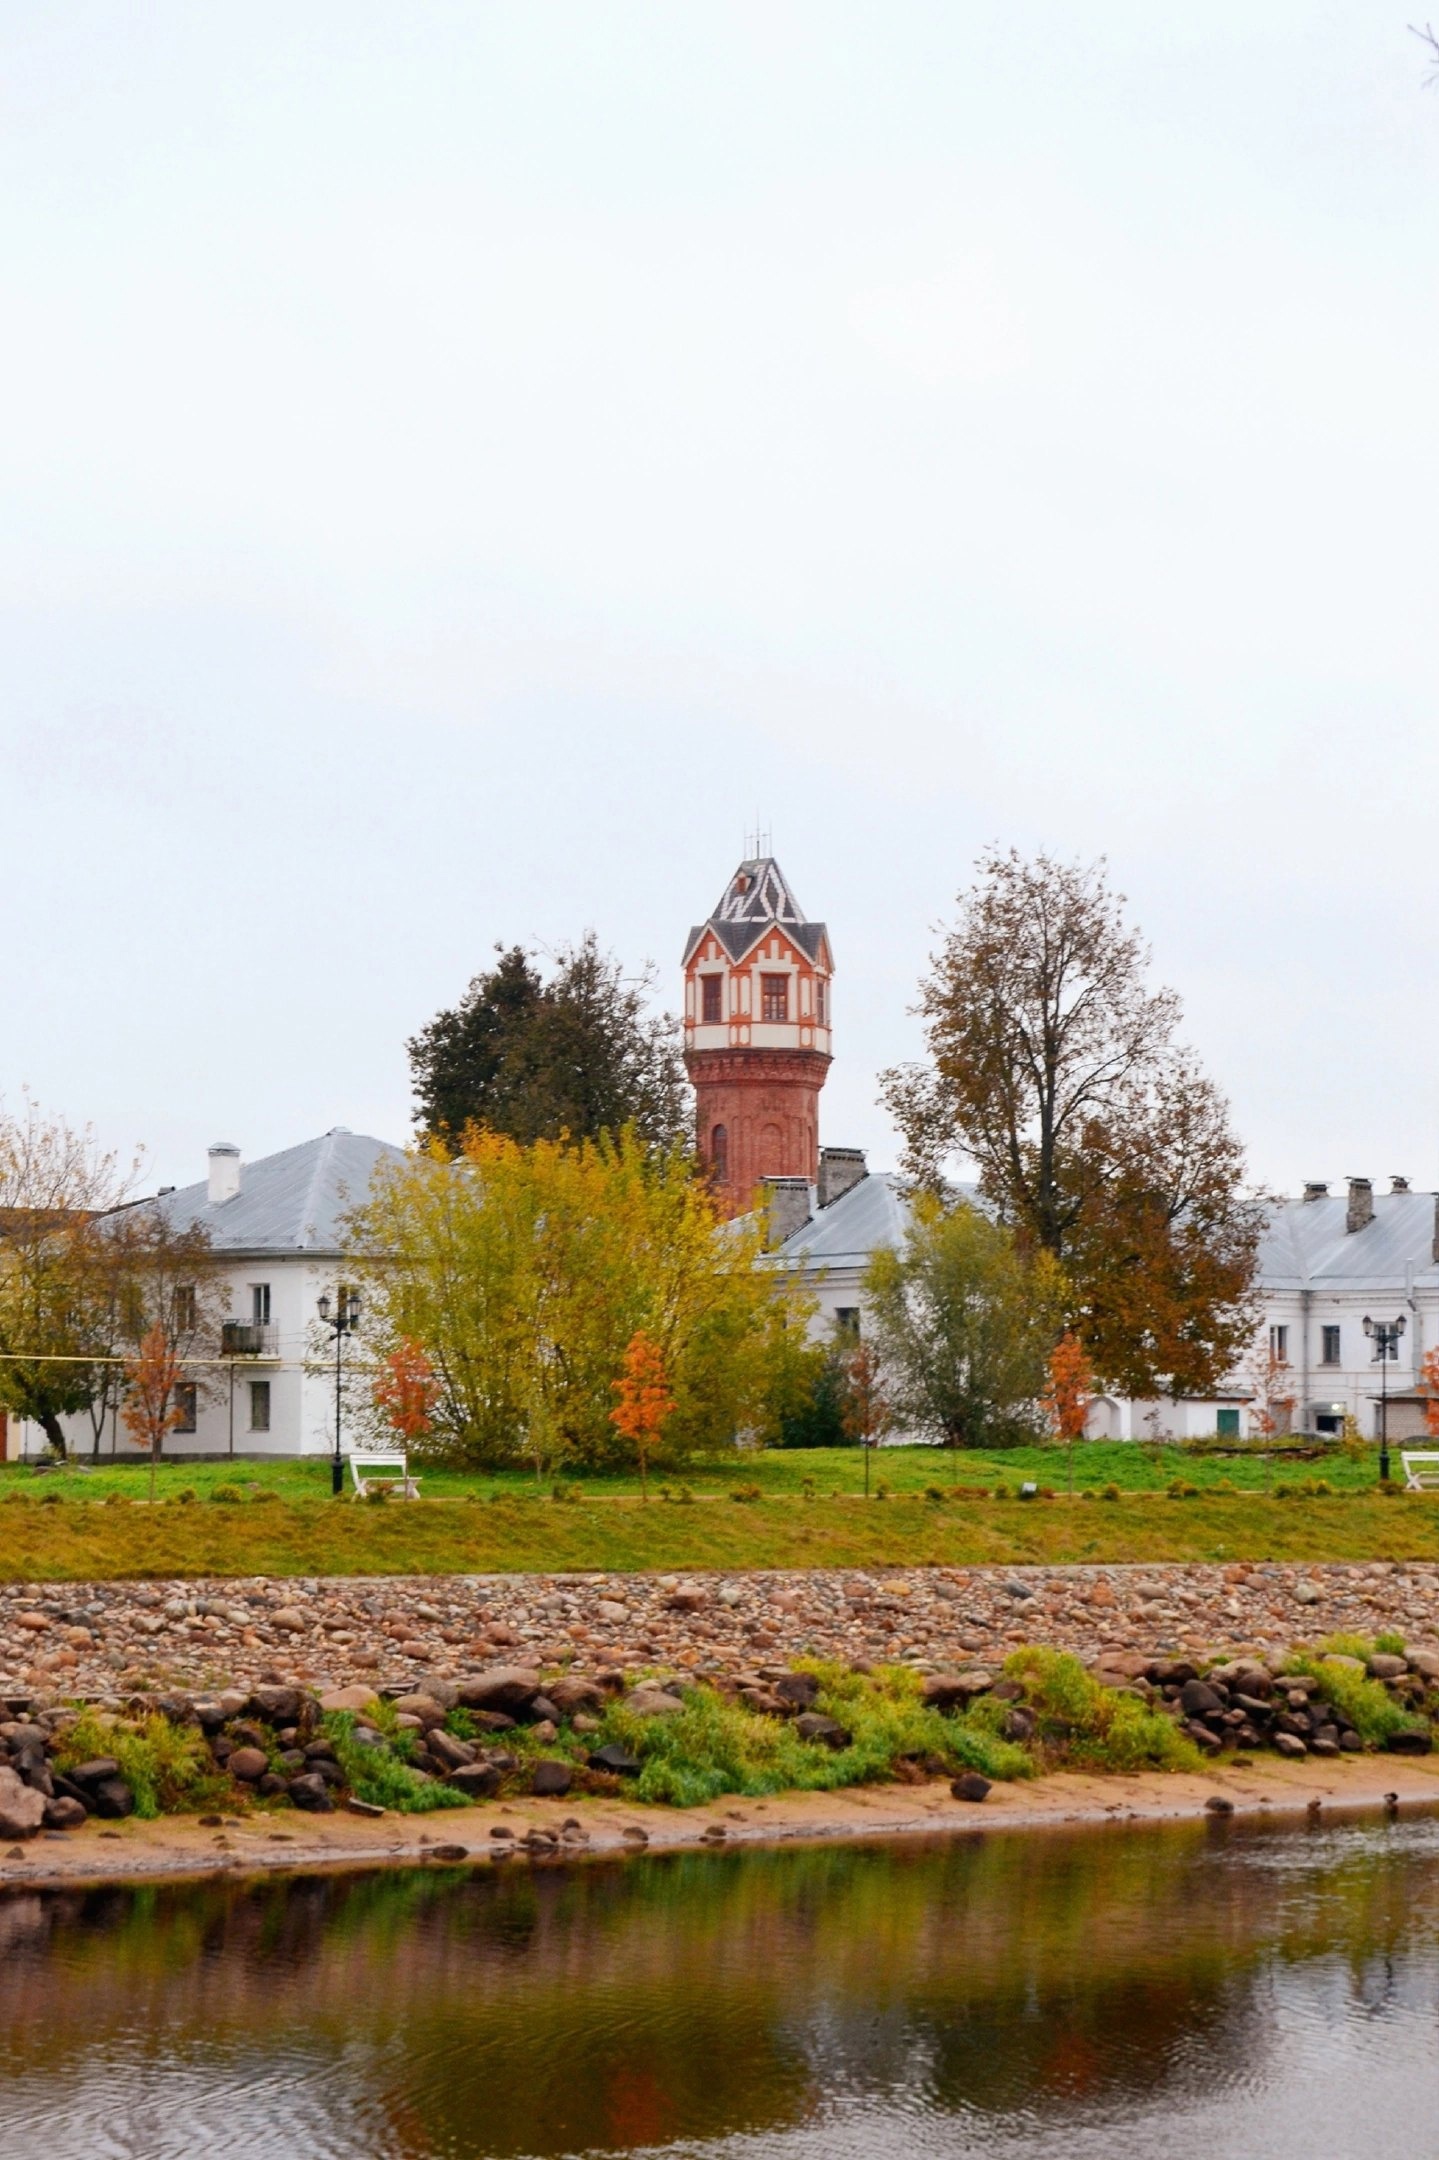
745, 1494
1110, 1492
226, 1496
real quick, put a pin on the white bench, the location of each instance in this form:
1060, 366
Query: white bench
393, 1474
1421, 1469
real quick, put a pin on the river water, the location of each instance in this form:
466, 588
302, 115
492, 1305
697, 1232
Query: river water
1214, 1991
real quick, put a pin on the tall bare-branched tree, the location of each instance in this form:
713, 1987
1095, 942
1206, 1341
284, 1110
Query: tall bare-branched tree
1054, 1067
56, 1183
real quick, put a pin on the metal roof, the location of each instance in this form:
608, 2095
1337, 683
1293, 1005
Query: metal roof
293, 1202
1305, 1247
757, 900
872, 1213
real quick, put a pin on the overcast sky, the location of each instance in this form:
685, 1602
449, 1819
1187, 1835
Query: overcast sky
462, 463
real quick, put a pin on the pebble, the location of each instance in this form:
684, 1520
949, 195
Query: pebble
413, 1633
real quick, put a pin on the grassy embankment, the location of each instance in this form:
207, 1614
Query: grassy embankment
803, 1509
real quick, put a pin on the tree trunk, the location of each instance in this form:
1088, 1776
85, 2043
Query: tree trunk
50, 1425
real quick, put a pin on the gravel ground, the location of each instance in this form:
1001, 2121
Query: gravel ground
96, 1638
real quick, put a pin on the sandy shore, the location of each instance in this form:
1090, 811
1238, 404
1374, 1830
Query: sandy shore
264, 1844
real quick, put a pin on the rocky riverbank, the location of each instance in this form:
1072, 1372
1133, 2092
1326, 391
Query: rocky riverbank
97, 1638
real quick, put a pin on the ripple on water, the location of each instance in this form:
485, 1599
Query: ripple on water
1266, 1995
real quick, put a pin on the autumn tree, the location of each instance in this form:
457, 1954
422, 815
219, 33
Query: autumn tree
404, 1392
1068, 1392
867, 1413
645, 1401
1272, 1398
525, 1271
1429, 1388
166, 1276
578, 1054
56, 1319
153, 1405
963, 1320
1055, 1068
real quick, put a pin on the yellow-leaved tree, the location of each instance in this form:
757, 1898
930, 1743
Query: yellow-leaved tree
524, 1273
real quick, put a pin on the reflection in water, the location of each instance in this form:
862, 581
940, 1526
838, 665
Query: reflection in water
1115, 1993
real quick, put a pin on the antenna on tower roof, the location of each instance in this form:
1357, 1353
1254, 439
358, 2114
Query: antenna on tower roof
759, 843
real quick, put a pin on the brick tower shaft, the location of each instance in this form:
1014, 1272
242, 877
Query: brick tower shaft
757, 1033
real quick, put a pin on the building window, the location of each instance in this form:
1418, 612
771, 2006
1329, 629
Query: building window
846, 1322
719, 1154
1279, 1345
259, 1406
183, 1309
260, 1303
774, 997
1329, 1346
1226, 1424
712, 995
185, 1400
821, 1001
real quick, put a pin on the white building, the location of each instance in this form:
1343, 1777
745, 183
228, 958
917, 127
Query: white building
276, 1229
1325, 1263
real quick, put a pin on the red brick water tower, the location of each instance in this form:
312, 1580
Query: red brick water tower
757, 1033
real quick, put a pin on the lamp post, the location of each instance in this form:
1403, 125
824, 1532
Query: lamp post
342, 1322
1384, 1334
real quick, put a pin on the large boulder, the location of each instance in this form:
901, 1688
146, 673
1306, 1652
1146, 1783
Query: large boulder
248, 1764
955, 1691
451, 1753
505, 1687
423, 1707
552, 1779
477, 1781
311, 1793
573, 1694
824, 1731
800, 1690
1409, 1743
650, 1701
355, 1697
22, 1810
112, 1799
276, 1705
616, 1759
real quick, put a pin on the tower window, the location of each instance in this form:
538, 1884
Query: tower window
821, 1001
712, 992
774, 997
719, 1154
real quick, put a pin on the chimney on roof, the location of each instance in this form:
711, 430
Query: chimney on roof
1361, 1204
1398, 1184
1316, 1189
224, 1172
788, 1201
840, 1168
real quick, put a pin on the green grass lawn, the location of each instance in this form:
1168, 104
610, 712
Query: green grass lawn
1132, 1466
285, 1523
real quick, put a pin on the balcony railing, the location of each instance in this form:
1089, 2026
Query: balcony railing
249, 1338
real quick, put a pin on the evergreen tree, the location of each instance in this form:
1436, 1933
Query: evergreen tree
580, 1054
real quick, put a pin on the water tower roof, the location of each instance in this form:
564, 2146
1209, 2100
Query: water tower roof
757, 900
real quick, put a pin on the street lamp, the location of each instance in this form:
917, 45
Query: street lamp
342, 1322
1384, 1334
